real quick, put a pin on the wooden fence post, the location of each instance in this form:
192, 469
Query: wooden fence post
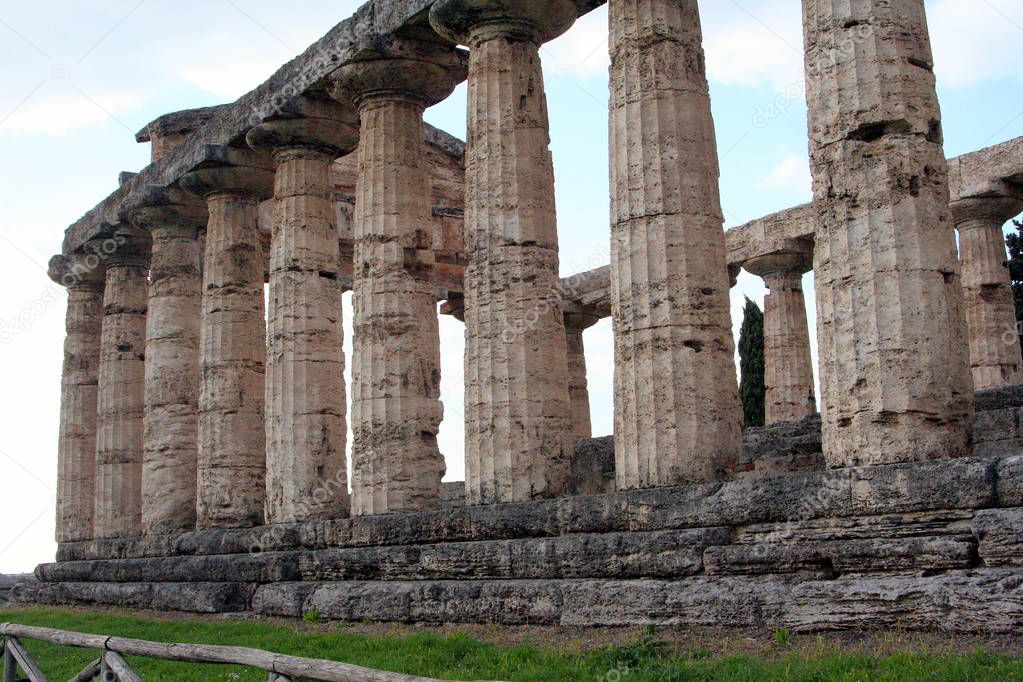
10, 667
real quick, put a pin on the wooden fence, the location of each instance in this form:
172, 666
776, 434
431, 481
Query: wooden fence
110, 666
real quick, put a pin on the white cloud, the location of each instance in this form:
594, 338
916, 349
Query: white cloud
975, 41
582, 52
58, 110
791, 173
749, 54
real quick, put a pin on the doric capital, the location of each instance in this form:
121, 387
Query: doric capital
183, 218
124, 246
250, 180
578, 318
328, 125
997, 207
77, 270
792, 256
470, 22
170, 130
414, 70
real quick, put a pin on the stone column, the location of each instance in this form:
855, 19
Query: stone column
677, 413
172, 367
307, 469
518, 440
895, 379
576, 322
987, 290
396, 409
83, 277
232, 452
121, 387
788, 368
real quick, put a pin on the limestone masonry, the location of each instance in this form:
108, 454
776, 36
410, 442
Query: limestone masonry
203, 435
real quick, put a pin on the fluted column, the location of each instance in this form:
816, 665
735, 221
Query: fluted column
895, 378
396, 409
518, 439
121, 388
576, 322
677, 413
307, 470
990, 313
83, 277
172, 368
231, 435
788, 367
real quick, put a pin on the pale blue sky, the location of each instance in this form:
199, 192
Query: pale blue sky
81, 76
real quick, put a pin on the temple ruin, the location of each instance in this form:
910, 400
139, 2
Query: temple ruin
202, 451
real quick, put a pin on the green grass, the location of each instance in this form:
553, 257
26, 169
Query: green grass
459, 657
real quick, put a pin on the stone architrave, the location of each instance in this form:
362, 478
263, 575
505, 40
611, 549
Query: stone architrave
990, 313
788, 365
231, 470
306, 463
518, 438
677, 413
895, 379
121, 385
83, 275
172, 367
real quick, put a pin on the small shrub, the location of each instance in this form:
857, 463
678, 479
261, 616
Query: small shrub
312, 616
783, 637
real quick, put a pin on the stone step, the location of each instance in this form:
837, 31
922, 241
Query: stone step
965, 484
982, 600
989, 600
191, 597
611, 555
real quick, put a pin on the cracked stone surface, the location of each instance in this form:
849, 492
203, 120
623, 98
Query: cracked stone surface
677, 411
307, 471
397, 465
172, 370
121, 395
76, 444
578, 384
995, 357
895, 378
518, 439
788, 366
232, 453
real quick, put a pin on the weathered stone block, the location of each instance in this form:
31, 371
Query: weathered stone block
1000, 536
966, 483
830, 559
187, 597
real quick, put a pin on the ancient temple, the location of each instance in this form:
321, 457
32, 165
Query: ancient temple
202, 453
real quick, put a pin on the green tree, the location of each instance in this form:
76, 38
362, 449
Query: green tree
751, 365
1015, 244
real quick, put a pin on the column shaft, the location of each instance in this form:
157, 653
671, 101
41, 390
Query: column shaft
172, 382
990, 312
307, 473
396, 408
232, 454
578, 386
76, 449
677, 412
788, 369
894, 375
120, 401
518, 436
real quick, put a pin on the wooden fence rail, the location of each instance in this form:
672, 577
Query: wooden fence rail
111, 666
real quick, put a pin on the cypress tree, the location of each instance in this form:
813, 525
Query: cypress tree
751, 365
1015, 244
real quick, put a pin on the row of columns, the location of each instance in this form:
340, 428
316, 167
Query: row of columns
208, 377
